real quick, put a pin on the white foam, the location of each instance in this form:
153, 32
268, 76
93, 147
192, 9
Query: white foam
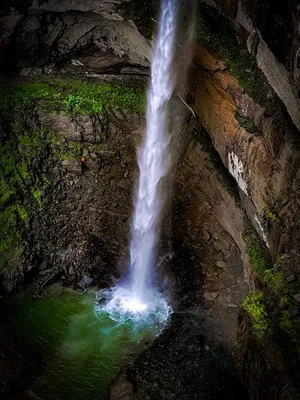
236, 169
122, 304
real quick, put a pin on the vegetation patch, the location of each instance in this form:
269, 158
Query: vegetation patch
271, 216
255, 306
246, 123
255, 249
20, 177
276, 281
12, 220
71, 98
289, 325
27, 153
275, 311
22, 158
40, 189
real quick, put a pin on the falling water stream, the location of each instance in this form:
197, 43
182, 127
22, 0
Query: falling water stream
138, 295
83, 341
154, 161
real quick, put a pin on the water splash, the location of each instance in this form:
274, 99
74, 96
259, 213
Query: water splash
139, 297
123, 307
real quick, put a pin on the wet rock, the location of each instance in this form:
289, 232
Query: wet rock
297, 297
291, 278
221, 264
122, 388
294, 312
106, 154
72, 166
62, 125
231, 305
206, 235
211, 296
116, 43
279, 79
204, 58
19, 366
85, 282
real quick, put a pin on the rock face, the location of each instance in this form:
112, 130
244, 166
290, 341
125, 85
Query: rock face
262, 160
262, 154
71, 37
252, 358
90, 203
69, 171
122, 388
272, 36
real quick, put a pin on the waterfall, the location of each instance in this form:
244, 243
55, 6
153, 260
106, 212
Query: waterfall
136, 298
153, 156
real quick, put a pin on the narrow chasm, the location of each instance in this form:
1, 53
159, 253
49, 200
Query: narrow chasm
149, 200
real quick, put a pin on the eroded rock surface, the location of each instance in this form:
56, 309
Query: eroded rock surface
71, 37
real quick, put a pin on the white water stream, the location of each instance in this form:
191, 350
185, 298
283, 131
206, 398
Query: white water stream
139, 296
153, 156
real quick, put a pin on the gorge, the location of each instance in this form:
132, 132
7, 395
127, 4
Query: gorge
73, 80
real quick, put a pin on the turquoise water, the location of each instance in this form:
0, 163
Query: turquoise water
82, 349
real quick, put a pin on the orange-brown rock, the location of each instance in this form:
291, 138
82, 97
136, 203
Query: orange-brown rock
265, 162
214, 100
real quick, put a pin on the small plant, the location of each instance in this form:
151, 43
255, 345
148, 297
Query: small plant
254, 305
39, 189
285, 301
246, 123
12, 227
255, 249
17, 127
271, 215
280, 259
290, 325
18, 157
275, 281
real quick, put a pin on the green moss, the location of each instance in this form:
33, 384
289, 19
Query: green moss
17, 127
99, 147
19, 178
12, 221
246, 123
281, 259
75, 146
31, 144
271, 215
288, 322
14, 170
68, 157
254, 305
71, 150
71, 98
276, 281
255, 249
39, 190
5, 191
289, 325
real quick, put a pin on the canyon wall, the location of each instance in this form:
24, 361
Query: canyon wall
78, 71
